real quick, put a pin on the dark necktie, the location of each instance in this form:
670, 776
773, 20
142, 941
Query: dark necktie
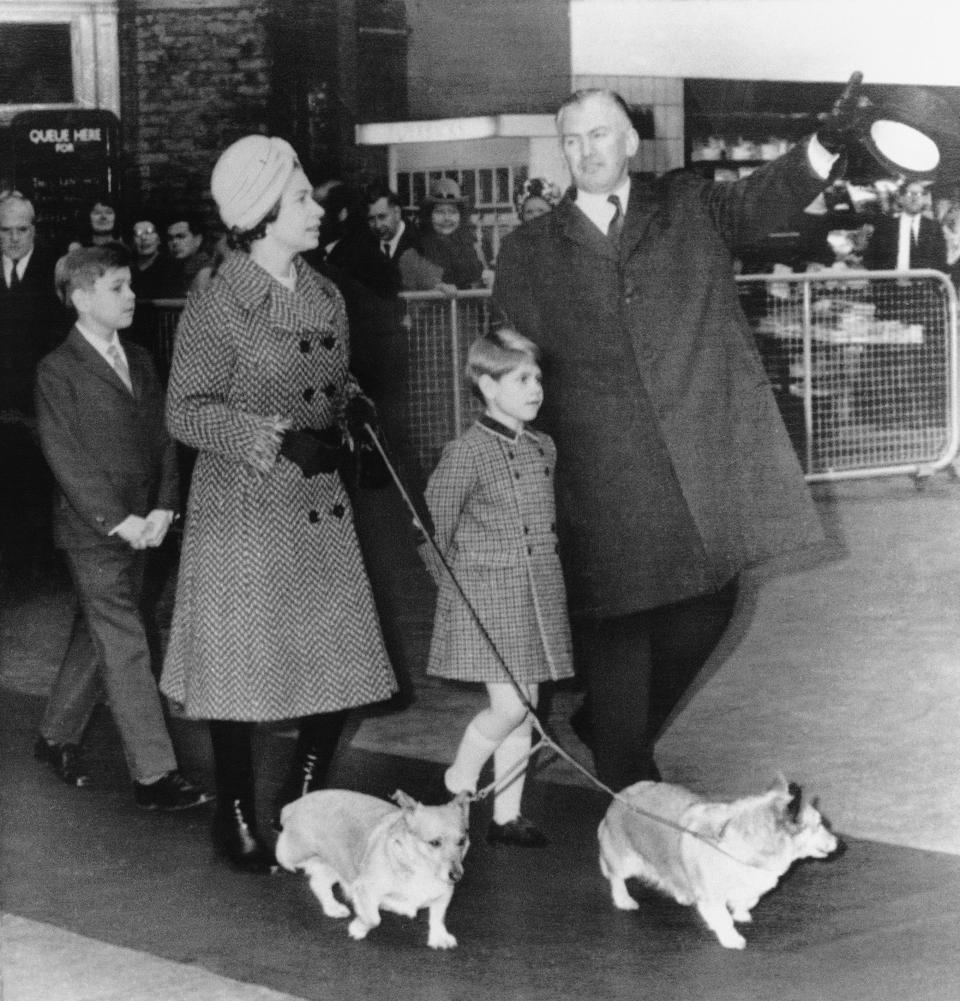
385, 247
615, 228
14, 277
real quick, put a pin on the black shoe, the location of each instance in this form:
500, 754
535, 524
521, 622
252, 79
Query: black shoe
518, 831
172, 792
301, 780
235, 839
65, 760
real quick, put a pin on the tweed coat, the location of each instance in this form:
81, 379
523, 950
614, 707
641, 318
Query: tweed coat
108, 448
675, 470
274, 616
491, 501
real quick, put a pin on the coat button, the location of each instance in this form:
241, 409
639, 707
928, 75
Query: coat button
529, 550
305, 346
516, 475
328, 341
338, 510
313, 517
546, 471
510, 455
309, 393
526, 529
329, 390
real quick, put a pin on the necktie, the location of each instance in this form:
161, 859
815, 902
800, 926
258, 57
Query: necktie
120, 365
385, 247
615, 226
14, 276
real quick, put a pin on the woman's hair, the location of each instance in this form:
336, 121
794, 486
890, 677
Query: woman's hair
83, 266
244, 239
497, 353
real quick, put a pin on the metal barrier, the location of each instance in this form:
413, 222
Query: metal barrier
863, 365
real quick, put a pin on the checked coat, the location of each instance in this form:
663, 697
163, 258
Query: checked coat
491, 501
274, 616
675, 471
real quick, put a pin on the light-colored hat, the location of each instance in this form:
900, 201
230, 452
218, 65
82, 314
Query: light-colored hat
446, 190
249, 179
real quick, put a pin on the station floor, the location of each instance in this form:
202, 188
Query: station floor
840, 671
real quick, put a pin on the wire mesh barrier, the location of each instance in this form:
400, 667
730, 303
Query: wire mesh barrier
863, 365
439, 401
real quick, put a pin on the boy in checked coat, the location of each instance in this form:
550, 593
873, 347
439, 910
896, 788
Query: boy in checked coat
100, 418
491, 501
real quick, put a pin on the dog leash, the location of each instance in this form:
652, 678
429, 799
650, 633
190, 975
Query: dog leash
545, 741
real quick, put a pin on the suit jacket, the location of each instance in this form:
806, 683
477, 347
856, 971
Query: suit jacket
930, 250
107, 448
674, 469
32, 322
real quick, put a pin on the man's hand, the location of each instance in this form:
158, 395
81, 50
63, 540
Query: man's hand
848, 120
158, 523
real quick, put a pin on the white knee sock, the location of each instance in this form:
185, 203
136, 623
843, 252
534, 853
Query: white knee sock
506, 802
472, 754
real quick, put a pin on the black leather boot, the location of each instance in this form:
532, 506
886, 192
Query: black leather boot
317, 741
236, 841
235, 837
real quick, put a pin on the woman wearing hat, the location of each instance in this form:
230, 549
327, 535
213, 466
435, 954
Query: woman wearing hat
446, 240
274, 617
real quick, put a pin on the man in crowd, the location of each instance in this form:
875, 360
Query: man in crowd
400, 242
32, 322
191, 261
911, 239
674, 470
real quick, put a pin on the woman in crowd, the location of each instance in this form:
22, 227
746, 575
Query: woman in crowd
447, 239
537, 196
274, 617
151, 268
98, 223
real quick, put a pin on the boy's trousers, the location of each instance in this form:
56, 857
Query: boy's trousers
108, 581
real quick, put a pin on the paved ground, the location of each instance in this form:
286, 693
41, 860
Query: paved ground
839, 672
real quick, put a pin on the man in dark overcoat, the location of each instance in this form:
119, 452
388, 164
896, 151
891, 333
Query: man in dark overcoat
674, 469
32, 322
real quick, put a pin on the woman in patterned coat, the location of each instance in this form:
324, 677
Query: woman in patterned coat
491, 502
274, 617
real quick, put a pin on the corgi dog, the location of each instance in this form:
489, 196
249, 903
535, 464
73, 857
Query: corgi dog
396, 858
719, 857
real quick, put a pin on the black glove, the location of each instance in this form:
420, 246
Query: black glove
359, 411
848, 119
313, 451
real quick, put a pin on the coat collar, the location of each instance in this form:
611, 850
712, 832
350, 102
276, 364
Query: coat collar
641, 210
96, 365
501, 430
249, 282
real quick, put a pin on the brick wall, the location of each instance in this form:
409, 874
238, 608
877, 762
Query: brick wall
196, 76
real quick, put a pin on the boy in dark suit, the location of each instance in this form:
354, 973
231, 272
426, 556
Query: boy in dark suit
100, 418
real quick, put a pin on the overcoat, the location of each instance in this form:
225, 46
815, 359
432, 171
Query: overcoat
274, 617
492, 504
675, 471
